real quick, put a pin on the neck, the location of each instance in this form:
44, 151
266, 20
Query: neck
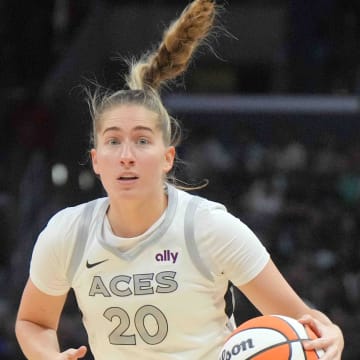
129, 219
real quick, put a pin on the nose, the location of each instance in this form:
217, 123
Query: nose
126, 155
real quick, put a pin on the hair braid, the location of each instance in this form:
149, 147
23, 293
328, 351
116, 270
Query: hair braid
174, 53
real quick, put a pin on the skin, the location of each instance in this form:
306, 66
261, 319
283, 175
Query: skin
132, 161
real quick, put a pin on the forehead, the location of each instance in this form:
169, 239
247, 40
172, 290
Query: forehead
128, 116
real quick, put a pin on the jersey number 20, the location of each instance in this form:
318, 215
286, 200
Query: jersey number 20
119, 337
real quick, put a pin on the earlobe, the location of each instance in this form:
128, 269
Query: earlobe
94, 160
169, 158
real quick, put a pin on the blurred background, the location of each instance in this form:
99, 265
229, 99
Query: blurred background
271, 118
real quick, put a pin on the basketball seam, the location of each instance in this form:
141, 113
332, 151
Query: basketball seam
274, 346
266, 328
289, 324
296, 332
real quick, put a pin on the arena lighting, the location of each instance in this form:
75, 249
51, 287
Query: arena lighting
59, 174
255, 104
86, 180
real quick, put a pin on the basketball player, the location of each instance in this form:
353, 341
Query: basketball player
150, 263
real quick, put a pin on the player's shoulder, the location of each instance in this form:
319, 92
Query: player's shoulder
204, 206
68, 216
213, 215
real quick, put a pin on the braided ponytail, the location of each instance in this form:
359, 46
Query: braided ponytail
178, 45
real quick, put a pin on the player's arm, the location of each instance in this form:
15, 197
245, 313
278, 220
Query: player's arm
270, 293
37, 323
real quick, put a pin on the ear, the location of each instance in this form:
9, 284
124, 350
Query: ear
169, 158
94, 161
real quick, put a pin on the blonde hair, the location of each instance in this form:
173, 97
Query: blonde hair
154, 70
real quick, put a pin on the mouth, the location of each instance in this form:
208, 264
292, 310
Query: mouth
128, 178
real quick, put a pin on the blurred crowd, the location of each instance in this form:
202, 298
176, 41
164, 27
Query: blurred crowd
298, 191
301, 198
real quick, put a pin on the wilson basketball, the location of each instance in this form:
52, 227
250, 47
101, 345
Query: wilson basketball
269, 337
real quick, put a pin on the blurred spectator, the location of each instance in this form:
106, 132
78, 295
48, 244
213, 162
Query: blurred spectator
206, 155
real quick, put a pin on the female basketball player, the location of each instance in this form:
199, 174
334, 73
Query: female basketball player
150, 263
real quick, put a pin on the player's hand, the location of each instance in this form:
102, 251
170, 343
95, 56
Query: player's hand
73, 354
331, 338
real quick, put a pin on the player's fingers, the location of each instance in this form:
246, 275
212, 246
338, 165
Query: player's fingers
316, 344
307, 319
314, 324
329, 339
81, 351
74, 354
332, 352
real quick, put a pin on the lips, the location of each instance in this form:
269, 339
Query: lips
128, 177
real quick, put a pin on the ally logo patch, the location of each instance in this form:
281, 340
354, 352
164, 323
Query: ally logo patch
167, 256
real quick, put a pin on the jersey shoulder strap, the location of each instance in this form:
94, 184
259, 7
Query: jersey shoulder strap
190, 240
81, 238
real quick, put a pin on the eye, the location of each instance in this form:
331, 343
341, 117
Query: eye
113, 141
143, 141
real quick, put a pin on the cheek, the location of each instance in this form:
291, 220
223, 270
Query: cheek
155, 165
101, 162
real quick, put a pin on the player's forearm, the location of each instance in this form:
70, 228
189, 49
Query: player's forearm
36, 342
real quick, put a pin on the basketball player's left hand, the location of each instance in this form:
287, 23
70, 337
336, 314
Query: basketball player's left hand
73, 354
330, 339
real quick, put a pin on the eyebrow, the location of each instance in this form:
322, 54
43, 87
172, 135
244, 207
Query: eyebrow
136, 128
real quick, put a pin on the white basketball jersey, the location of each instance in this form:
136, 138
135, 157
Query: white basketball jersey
158, 299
